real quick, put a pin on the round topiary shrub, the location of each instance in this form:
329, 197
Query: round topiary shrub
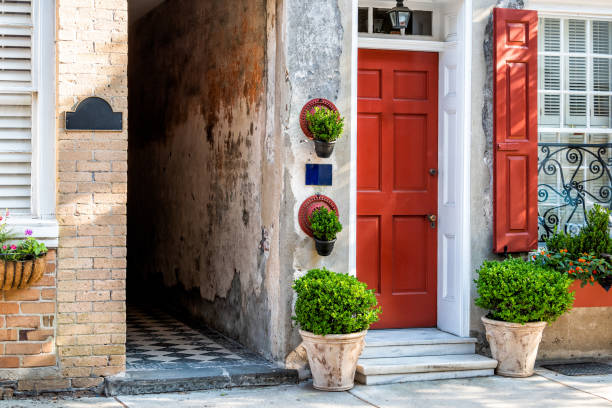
333, 303
518, 291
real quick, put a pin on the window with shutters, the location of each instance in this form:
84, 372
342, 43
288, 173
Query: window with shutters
16, 87
27, 113
574, 120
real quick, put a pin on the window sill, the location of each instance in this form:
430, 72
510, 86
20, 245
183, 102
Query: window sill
44, 230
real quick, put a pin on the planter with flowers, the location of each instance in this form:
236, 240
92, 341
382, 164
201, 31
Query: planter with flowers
584, 257
325, 226
22, 263
326, 126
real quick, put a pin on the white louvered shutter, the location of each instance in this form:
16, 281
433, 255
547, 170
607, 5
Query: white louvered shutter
577, 73
15, 105
550, 71
601, 73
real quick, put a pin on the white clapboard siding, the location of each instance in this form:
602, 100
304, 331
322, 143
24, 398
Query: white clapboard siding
15, 105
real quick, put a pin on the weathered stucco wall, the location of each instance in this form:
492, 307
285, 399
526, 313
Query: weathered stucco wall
584, 332
198, 103
317, 57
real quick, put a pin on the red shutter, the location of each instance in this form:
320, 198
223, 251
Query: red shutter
515, 130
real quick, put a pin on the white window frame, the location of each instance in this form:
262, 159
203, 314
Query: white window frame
564, 93
42, 219
564, 10
413, 5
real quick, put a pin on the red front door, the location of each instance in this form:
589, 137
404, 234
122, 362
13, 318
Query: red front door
397, 183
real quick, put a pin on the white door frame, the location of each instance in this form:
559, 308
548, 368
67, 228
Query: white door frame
454, 263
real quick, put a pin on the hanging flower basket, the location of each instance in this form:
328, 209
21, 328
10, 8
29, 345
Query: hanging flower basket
21, 274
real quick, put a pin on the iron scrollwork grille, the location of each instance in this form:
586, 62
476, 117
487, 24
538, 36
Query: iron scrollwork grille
571, 178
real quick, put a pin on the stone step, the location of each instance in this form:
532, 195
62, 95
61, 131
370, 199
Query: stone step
436, 375
417, 350
160, 381
393, 343
424, 364
412, 337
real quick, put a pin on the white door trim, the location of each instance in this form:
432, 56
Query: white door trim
461, 159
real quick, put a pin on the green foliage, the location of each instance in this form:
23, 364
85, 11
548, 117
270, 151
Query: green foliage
333, 303
587, 268
520, 291
594, 238
561, 240
5, 233
325, 124
324, 224
29, 248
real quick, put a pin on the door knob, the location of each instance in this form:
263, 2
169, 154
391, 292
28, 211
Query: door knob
433, 172
432, 219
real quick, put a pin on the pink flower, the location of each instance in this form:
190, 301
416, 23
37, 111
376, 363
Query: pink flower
13, 247
28, 232
4, 247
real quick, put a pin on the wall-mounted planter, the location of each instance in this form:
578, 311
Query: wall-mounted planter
322, 149
324, 248
312, 203
21, 274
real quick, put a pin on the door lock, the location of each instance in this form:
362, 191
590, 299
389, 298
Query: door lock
432, 219
433, 172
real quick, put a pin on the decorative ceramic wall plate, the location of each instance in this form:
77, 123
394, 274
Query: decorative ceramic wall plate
311, 204
309, 107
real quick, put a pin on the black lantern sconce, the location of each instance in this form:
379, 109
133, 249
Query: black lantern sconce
399, 16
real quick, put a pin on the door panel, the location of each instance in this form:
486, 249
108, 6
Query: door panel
397, 146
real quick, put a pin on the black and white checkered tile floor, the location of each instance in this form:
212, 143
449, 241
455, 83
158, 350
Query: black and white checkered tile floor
156, 340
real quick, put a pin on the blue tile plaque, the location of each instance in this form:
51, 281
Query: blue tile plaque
318, 174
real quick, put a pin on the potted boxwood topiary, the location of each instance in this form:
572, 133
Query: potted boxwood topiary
522, 297
334, 312
326, 126
325, 226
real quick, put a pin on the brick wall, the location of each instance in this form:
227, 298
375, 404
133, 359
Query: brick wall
27, 316
92, 187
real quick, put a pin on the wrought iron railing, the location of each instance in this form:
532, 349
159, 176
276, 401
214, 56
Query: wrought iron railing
571, 178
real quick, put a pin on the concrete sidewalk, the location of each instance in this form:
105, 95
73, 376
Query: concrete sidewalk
546, 389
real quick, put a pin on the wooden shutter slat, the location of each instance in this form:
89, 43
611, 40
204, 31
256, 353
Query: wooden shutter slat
515, 130
16, 106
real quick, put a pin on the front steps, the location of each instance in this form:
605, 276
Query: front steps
402, 355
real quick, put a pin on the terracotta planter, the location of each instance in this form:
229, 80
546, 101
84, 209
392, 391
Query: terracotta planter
514, 346
21, 274
333, 359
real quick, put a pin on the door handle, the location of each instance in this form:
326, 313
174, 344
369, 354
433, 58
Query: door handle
432, 219
433, 172
507, 147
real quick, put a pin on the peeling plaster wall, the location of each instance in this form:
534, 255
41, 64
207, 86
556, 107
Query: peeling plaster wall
197, 162
584, 332
316, 52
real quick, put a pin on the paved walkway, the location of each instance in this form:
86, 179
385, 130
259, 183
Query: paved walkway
547, 389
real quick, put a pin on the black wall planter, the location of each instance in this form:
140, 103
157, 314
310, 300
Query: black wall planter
324, 248
324, 149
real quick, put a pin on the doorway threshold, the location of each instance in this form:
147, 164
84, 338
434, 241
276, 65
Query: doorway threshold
166, 355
